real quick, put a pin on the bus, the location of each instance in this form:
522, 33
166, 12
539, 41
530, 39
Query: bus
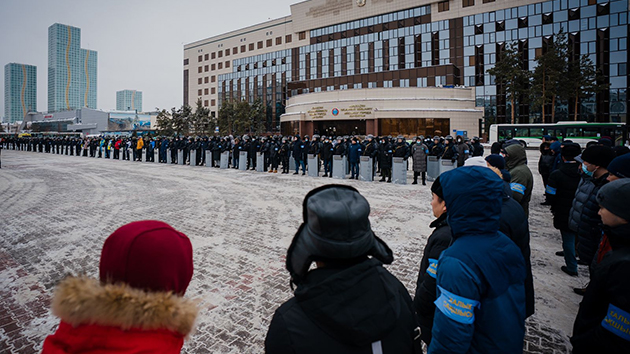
530, 135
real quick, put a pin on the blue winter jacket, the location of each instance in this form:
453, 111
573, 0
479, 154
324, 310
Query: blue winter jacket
354, 152
480, 306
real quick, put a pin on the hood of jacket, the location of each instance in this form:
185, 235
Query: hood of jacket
516, 156
85, 301
619, 236
356, 305
474, 197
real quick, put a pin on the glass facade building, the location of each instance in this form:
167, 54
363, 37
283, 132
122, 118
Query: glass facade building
20, 91
72, 71
424, 46
129, 100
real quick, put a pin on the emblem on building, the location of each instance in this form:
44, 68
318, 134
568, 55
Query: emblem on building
335, 111
361, 3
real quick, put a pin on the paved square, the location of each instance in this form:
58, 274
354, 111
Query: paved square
56, 211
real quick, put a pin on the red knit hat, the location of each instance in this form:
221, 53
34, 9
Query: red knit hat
148, 255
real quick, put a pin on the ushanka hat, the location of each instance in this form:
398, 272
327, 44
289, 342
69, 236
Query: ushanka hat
335, 227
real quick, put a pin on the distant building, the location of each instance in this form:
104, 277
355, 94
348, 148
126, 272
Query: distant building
72, 71
20, 91
129, 100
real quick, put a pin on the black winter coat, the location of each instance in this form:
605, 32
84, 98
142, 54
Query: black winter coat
584, 218
425, 296
385, 152
602, 322
345, 310
514, 225
327, 151
560, 192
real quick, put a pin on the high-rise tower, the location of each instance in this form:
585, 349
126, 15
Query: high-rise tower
20, 91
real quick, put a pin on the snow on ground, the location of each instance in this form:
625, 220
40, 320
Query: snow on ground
56, 211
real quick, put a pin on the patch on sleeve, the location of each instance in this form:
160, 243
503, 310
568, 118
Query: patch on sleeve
550, 190
432, 270
457, 308
617, 321
517, 187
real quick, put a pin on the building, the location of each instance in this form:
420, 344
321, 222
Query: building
346, 45
129, 100
20, 91
72, 71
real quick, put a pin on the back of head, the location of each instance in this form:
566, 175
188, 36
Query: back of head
148, 255
473, 197
336, 227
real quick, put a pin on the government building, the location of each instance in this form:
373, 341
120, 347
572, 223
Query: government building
403, 67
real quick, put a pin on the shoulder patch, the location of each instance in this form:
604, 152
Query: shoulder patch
550, 190
455, 307
517, 187
617, 321
432, 269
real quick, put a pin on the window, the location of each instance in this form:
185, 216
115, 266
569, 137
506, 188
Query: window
205, 80
220, 66
505, 133
521, 132
287, 38
199, 92
242, 49
227, 52
213, 78
487, 1
213, 55
259, 45
220, 54
443, 6
205, 91
185, 61
227, 64
213, 90
214, 67
278, 40
200, 69
205, 103
206, 68
536, 132
269, 43
302, 35
199, 81
251, 46
235, 50
467, 3
213, 103
206, 57
200, 58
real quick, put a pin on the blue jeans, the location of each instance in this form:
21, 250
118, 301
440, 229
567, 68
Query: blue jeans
354, 169
327, 166
299, 163
568, 247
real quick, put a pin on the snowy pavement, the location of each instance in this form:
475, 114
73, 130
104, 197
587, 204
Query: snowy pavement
56, 211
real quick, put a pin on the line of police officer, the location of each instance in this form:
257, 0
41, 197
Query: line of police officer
276, 150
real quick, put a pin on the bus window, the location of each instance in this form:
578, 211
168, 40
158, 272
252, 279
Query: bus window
618, 137
573, 133
505, 133
536, 132
591, 133
555, 132
521, 132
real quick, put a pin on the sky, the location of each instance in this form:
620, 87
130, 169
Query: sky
140, 43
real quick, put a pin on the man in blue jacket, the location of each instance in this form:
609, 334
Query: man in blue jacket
354, 154
480, 306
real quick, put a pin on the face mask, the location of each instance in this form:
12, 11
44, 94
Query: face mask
586, 171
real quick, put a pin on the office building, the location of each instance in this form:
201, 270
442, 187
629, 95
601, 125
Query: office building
72, 71
20, 91
129, 100
355, 46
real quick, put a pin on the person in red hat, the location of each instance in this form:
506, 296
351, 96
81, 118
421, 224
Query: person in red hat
137, 304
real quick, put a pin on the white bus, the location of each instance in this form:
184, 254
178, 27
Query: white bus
531, 135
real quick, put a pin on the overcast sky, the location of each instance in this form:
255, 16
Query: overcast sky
140, 43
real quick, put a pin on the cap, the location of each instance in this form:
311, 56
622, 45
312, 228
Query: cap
614, 197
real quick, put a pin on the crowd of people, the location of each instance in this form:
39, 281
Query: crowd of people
475, 285
276, 150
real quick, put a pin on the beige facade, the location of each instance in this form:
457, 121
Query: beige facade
384, 111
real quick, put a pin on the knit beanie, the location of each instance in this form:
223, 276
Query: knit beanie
614, 196
620, 166
597, 155
496, 160
148, 255
436, 188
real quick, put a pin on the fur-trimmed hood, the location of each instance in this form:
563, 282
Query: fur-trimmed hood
82, 300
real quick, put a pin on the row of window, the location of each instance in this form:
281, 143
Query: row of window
213, 67
243, 48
